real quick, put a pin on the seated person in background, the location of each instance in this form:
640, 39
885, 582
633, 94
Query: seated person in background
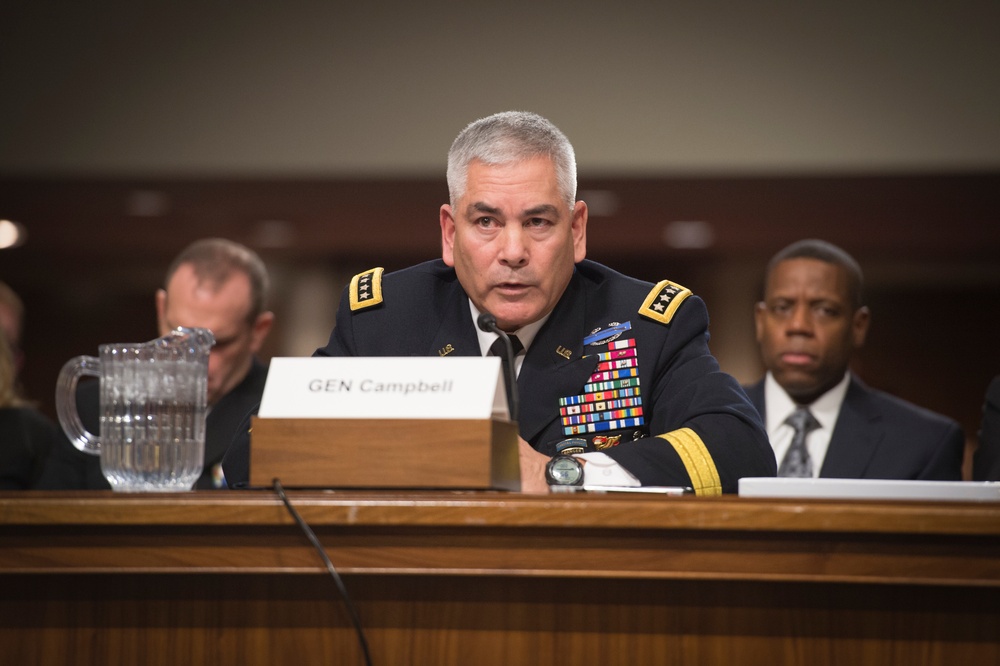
12, 323
821, 419
986, 461
514, 241
26, 436
215, 284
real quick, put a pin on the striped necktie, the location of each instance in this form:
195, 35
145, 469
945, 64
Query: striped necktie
796, 462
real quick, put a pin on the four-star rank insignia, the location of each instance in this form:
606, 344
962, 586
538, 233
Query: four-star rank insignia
663, 301
366, 289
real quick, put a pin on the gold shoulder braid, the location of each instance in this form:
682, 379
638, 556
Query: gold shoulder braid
366, 289
663, 301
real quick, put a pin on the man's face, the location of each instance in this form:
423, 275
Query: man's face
223, 309
806, 327
513, 241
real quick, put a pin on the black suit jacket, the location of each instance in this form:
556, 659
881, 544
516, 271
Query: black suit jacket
880, 436
425, 312
986, 462
26, 438
68, 468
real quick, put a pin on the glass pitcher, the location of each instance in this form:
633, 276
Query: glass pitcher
153, 398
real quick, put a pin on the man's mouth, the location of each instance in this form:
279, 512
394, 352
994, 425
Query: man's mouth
511, 288
797, 358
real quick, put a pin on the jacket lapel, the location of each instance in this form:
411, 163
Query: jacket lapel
456, 333
554, 366
856, 435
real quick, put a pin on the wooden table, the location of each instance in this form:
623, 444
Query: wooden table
487, 578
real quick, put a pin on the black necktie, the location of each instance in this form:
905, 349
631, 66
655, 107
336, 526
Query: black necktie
497, 349
796, 461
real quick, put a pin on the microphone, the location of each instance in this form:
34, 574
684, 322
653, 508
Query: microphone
488, 323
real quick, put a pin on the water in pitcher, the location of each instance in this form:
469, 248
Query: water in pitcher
153, 408
152, 438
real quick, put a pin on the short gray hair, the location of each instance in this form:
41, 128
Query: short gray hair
509, 137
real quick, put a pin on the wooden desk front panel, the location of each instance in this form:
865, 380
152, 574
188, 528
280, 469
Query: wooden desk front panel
484, 578
298, 619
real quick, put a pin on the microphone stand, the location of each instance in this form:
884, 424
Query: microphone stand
488, 323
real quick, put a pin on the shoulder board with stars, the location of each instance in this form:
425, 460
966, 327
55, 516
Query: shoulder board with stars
663, 300
366, 289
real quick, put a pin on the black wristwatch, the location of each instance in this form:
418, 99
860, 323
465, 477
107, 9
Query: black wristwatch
564, 471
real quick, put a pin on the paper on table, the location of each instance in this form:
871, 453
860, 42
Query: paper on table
653, 490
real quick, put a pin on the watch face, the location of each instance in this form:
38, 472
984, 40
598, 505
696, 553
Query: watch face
565, 471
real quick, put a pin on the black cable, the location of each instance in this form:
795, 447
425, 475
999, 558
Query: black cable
329, 567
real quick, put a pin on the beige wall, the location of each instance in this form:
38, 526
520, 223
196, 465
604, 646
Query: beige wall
298, 88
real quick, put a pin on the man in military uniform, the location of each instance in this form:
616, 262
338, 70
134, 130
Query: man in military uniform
614, 370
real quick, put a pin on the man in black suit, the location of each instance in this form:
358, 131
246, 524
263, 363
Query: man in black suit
986, 462
215, 284
810, 322
616, 371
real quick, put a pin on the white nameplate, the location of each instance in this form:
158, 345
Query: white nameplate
384, 387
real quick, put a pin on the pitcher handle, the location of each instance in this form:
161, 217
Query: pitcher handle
69, 418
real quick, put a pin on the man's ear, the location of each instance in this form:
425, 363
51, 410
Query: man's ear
161, 311
759, 312
447, 235
580, 213
859, 326
258, 332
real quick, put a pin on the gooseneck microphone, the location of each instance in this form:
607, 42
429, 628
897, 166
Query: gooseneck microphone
488, 323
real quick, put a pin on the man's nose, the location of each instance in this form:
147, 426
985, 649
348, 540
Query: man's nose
801, 320
513, 245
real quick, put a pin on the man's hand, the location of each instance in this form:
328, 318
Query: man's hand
532, 469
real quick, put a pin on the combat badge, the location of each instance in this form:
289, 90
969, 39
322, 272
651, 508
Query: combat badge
663, 301
610, 333
366, 289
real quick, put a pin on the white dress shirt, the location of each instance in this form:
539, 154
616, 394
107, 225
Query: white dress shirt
779, 406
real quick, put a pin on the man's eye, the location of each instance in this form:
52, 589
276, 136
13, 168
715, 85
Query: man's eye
536, 222
827, 311
780, 308
484, 222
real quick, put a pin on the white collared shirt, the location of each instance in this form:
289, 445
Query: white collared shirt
526, 334
826, 408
